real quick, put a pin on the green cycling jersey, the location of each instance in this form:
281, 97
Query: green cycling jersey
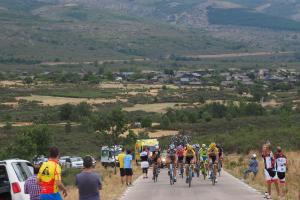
203, 152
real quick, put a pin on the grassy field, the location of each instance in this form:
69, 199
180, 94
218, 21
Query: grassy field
155, 107
236, 164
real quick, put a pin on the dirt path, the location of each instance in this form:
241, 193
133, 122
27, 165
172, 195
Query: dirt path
232, 55
91, 62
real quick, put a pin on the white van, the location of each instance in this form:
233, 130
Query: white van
13, 174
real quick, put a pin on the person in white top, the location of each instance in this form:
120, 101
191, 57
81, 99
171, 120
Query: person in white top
269, 170
144, 162
281, 168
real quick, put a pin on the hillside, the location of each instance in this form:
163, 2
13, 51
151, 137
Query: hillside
37, 31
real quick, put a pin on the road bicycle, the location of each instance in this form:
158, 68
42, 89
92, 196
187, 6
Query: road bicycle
190, 175
203, 169
171, 174
213, 175
155, 173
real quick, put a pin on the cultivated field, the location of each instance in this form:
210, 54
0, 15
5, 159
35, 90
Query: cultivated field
155, 107
55, 101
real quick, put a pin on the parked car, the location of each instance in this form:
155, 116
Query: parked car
13, 174
109, 155
74, 162
39, 160
63, 160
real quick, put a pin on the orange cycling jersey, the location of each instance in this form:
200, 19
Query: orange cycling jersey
49, 173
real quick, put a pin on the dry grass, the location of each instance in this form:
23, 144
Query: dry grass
154, 133
17, 124
11, 83
155, 107
55, 101
293, 175
112, 188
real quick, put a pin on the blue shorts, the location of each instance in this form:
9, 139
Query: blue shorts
204, 158
54, 196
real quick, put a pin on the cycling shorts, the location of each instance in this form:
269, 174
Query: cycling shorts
204, 158
213, 159
270, 175
281, 177
188, 160
172, 158
180, 159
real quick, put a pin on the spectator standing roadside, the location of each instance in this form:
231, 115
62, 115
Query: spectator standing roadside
281, 168
128, 168
88, 182
49, 178
32, 187
144, 162
269, 170
121, 158
252, 167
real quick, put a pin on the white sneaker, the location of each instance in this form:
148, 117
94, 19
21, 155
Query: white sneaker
216, 180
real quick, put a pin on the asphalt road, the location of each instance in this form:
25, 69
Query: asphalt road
227, 188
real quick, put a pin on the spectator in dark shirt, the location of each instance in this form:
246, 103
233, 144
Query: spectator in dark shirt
32, 187
253, 167
88, 182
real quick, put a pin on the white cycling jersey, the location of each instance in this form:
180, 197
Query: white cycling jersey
268, 160
281, 163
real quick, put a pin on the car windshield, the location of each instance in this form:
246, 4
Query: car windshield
76, 159
22, 170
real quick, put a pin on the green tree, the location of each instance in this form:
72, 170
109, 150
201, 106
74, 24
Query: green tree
28, 80
84, 109
130, 138
146, 122
165, 122
65, 111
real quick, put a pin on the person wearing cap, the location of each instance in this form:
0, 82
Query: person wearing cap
252, 167
88, 182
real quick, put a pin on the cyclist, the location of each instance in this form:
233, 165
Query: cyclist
221, 154
155, 157
190, 158
197, 152
172, 158
213, 156
203, 156
180, 156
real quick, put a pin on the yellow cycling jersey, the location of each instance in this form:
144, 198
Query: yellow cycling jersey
189, 153
213, 151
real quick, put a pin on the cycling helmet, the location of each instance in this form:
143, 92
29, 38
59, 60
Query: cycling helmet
212, 145
203, 145
189, 147
197, 146
180, 148
218, 145
172, 146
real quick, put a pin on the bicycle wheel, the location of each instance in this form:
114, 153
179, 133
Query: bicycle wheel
181, 171
190, 176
